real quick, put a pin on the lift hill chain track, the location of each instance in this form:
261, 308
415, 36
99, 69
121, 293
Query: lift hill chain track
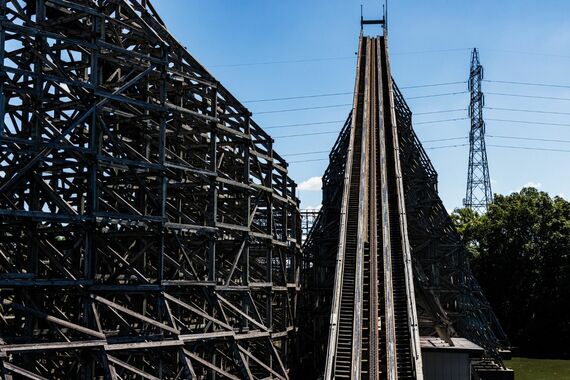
383, 261
373, 324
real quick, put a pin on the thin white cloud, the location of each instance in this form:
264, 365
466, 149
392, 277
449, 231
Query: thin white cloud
312, 184
536, 185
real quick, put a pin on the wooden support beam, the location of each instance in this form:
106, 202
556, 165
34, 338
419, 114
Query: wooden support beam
210, 365
134, 314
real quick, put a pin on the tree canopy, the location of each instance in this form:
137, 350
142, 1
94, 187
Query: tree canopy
520, 254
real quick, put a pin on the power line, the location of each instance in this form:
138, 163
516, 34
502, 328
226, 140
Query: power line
459, 146
526, 96
446, 146
502, 137
304, 108
341, 58
528, 111
326, 151
432, 85
528, 138
417, 123
306, 153
316, 159
308, 96
431, 95
417, 113
440, 121
431, 148
345, 93
304, 124
528, 83
306, 134
430, 51
530, 122
446, 139
440, 111
342, 121
307, 60
298, 97
528, 53
436, 95
530, 148
286, 61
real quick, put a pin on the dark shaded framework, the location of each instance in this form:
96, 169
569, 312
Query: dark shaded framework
147, 226
308, 218
449, 300
319, 261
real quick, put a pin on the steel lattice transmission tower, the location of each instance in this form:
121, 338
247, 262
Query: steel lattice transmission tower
478, 195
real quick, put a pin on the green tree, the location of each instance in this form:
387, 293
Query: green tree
520, 250
466, 222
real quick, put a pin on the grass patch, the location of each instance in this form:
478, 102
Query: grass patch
539, 369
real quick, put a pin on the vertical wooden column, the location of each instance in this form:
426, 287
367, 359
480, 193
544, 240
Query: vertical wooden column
295, 265
2, 72
286, 254
269, 184
35, 133
93, 146
162, 160
269, 231
248, 215
213, 191
296, 234
285, 223
248, 219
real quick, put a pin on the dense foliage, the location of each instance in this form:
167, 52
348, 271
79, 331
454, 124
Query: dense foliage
520, 254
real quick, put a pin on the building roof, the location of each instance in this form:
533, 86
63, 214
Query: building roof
458, 345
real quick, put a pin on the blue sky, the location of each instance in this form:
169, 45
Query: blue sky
430, 43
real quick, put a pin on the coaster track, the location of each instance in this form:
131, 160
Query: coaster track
374, 328
148, 229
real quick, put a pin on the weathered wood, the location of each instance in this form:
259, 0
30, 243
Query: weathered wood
136, 315
137, 190
211, 366
27, 374
52, 319
131, 368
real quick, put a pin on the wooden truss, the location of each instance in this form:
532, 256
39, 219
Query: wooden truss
147, 227
449, 301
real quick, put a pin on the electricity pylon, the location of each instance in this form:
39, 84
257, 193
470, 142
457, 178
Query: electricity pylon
478, 195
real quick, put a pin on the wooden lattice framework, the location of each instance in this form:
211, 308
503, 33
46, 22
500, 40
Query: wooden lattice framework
147, 227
